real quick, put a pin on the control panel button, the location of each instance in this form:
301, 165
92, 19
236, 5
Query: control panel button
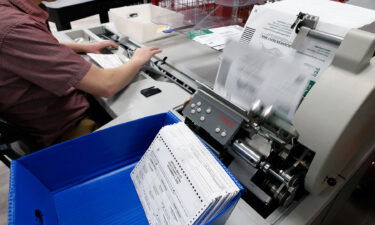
199, 103
192, 111
192, 105
202, 118
199, 109
208, 110
217, 129
223, 134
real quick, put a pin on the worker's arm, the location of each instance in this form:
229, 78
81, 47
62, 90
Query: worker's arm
94, 47
107, 82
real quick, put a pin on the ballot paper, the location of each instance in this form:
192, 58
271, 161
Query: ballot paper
271, 30
288, 74
178, 180
247, 74
106, 61
217, 37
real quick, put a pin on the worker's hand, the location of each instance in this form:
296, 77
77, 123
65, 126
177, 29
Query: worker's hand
142, 55
96, 47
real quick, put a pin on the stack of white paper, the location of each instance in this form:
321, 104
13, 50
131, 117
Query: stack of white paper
106, 61
179, 181
220, 36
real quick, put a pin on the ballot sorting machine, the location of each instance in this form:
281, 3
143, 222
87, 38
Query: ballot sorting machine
294, 172
332, 131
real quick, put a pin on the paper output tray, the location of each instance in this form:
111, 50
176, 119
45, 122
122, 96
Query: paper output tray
87, 180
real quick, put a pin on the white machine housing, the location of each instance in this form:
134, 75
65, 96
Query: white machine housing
336, 120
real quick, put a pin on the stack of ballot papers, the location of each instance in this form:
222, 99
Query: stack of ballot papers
106, 61
178, 181
216, 38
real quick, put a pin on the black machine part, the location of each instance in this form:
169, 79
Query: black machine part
276, 179
147, 92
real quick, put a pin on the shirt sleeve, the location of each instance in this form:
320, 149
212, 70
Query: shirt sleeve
32, 53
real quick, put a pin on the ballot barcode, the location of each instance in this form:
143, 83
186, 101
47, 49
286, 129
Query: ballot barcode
247, 35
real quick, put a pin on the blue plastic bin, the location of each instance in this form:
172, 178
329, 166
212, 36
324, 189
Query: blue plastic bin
86, 181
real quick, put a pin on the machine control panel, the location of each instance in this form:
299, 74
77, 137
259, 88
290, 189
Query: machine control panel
213, 116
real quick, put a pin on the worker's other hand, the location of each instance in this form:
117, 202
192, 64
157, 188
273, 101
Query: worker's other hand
97, 47
142, 55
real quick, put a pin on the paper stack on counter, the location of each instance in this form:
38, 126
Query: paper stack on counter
178, 181
216, 38
106, 61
